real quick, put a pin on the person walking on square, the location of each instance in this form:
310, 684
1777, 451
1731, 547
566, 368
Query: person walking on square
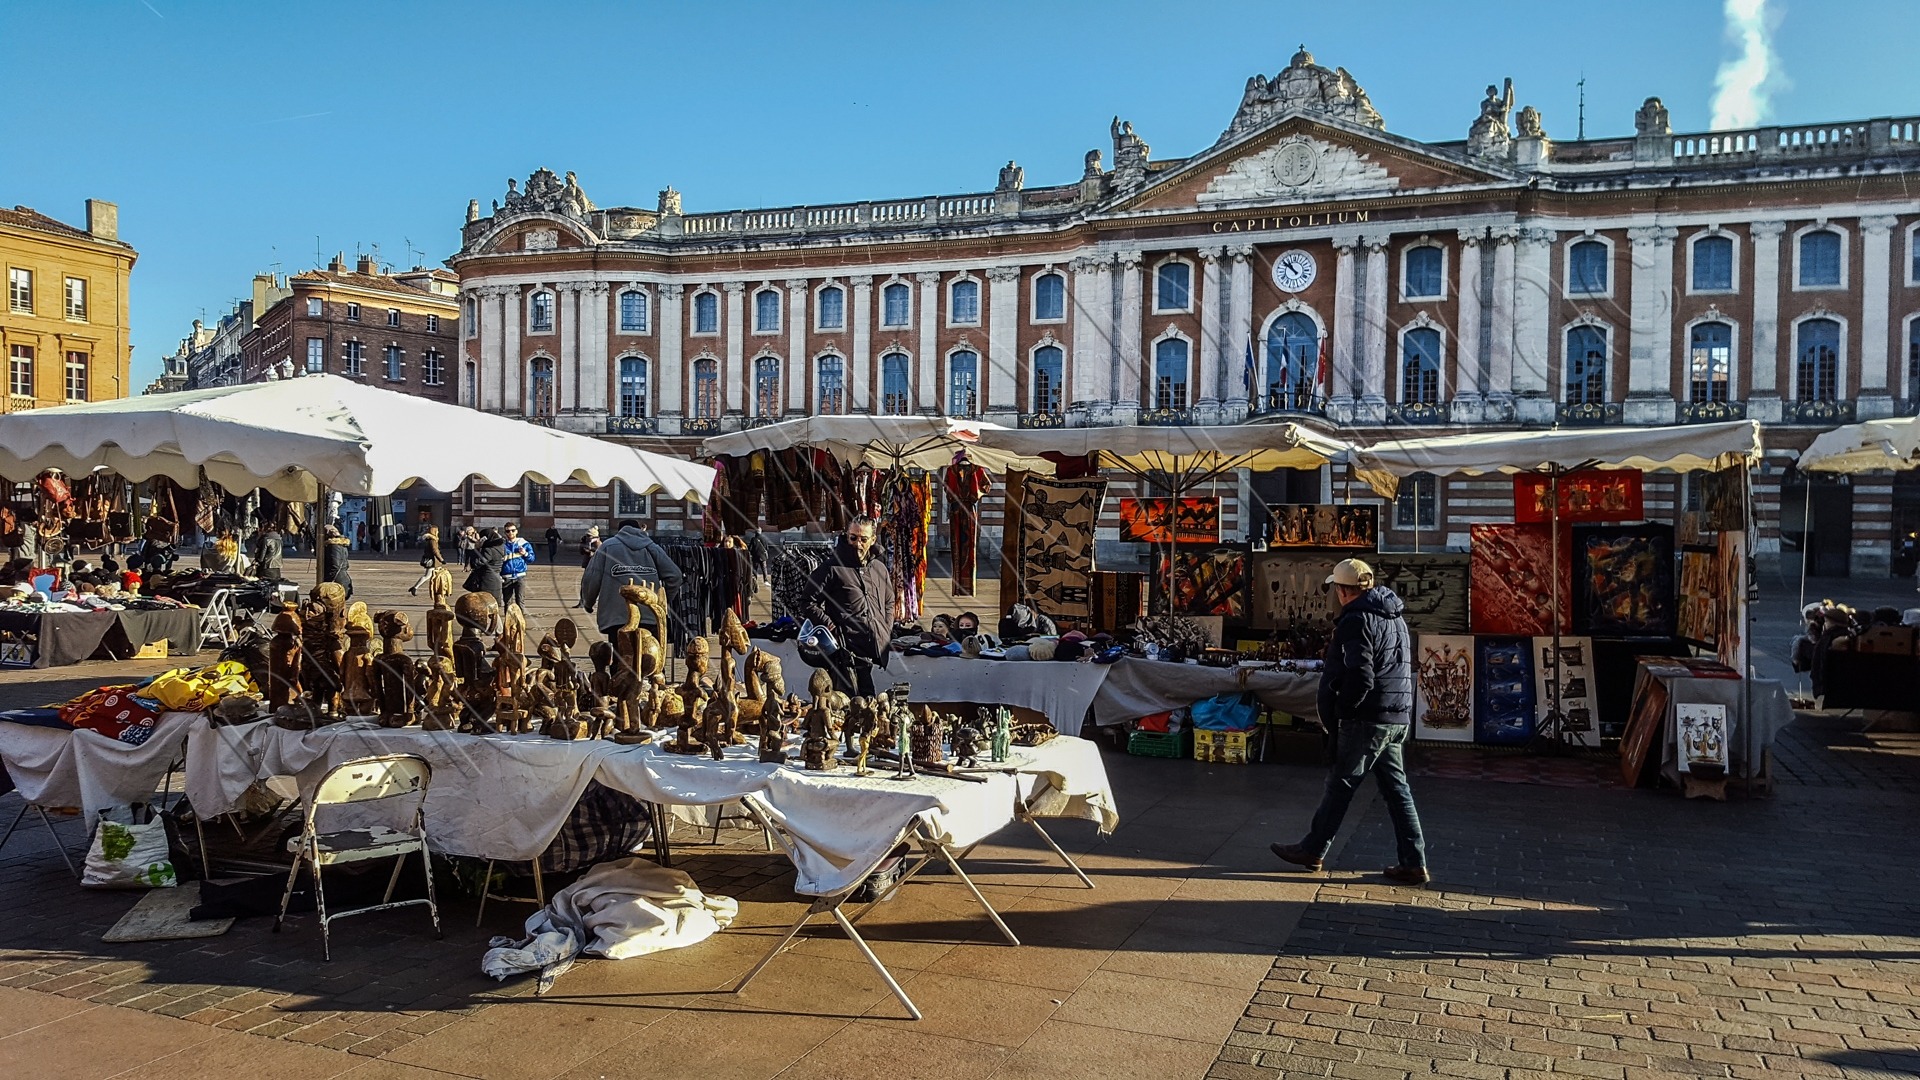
513, 570
1366, 702
430, 559
553, 544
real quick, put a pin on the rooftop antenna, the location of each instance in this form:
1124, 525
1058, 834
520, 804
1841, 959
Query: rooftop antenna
376, 255
413, 253
319, 257
1583, 108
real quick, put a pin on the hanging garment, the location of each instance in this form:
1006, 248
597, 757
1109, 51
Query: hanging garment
904, 525
966, 484
712, 524
790, 568
787, 483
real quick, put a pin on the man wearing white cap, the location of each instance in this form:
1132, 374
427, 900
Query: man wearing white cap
1366, 702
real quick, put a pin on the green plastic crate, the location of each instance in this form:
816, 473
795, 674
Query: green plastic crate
1161, 744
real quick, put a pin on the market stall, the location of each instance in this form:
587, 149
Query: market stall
60, 634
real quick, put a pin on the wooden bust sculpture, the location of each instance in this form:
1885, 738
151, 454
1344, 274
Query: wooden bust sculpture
323, 640
396, 682
476, 613
356, 665
509, 661
283, 660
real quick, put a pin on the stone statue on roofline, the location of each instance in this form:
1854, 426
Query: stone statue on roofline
1490, 137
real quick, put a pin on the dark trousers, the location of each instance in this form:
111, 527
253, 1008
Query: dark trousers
850, 674
1359, 749
510, 593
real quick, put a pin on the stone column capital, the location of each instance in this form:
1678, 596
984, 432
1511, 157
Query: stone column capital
796, 285
1503, 234
1472, 237
1129, 260
1375, 243
1652, 235
1240, 253
734, 288
1211, 254
1879, 223
671, 291
1003, 273
927, 277
1767, 230
861, 281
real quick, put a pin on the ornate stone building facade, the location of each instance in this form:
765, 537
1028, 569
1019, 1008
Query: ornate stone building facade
1308, 264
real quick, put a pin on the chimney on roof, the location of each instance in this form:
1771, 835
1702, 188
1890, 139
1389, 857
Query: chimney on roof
103, 219
339, 263
366, 266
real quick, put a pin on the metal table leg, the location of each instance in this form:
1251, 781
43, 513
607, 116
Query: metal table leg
1057, 850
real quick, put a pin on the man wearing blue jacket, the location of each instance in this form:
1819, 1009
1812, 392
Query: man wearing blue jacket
513, 569
1366, 702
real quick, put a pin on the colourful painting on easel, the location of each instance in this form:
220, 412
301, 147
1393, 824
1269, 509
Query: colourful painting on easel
1206, 581
1625, 576
1165, 521
1504, 708
1443, 687
1511, 590
1324, 525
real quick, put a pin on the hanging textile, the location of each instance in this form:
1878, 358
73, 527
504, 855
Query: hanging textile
868, 485
712, 524
966, 484
689, 608
790, 568
1056, 520
826, 496
788, 473
905, 525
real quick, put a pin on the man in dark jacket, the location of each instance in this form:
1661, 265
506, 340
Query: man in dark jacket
627, 557
852, 595
1366, 702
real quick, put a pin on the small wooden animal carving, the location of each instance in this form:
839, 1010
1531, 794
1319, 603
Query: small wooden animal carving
635, 645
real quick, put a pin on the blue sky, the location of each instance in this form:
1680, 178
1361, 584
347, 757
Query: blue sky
243, 137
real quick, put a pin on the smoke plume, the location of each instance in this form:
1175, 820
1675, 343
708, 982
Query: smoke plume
1742, 85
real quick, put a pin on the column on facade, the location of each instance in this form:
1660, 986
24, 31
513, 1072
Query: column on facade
487, 394
567, 366
927, 396
1763, 399
797, 359
595, 368
1467, 386
1211, 365
1650, 337
671, 378
513, 317
1372, 391
1003, 339
736, 377
1875, 293
1129, 371
1239, 333
1092, 365
1345, 324
1500, 348
1530, 300
860, 364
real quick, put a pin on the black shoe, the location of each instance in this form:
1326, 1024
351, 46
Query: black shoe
1406, 875
413, 590
1296, 855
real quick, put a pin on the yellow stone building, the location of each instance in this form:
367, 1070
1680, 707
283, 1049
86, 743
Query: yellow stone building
63, 322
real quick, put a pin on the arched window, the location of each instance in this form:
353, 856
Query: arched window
633, 386
1170, 374
766, 311
833, 308
1820, 259
896, 305
1710, 360
1049, 298
706, 313
1713, 264
633, 312
766, 386
1587, 268
470, 390
963, 384
1817, 359
1049, 370
706, 388
1586, 365
1425, 270
540, 312
964, 303
896, 384
830, 374
1173, 287
540, 387
1293, 363
1420, 366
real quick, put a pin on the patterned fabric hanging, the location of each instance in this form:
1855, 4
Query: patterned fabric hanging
905, 525
966, 484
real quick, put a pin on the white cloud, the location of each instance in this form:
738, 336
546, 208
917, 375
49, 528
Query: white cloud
1744, 82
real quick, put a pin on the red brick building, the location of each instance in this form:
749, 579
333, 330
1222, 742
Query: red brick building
400, 331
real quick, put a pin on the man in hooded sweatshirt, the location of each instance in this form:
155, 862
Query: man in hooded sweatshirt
1366, 702
627, 557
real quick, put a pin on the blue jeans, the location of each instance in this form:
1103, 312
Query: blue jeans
1359, 749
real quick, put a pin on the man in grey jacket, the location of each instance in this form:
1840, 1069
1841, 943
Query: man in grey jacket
627, 557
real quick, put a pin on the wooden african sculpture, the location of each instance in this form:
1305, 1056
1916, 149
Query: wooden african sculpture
509, 661
476, 612
357, 696
396, 681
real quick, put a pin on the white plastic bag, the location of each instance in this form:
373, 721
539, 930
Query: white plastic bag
129, 857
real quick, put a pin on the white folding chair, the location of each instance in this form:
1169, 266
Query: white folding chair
58, 845
216, 620
402, 778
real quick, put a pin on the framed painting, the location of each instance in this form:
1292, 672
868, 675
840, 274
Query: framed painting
1289, 589
1511, 586
1585, 495
1434, 588
1697, 608
1206, 581
1625, 580
1170, 521
1324, 525
1504, 703
1702, 733
1572, 671
1443, 687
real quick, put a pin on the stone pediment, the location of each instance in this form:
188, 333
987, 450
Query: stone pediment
1298, 167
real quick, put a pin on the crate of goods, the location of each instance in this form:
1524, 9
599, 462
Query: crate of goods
1223, 747
1167, 744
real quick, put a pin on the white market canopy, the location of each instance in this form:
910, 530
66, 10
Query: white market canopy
1865, 447
293, 436
1680, 447
884, 442
1190, 452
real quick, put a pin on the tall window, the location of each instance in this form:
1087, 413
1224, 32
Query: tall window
1913, 360
766, 386
1049, 370
315, 306
540, 387
1424, 271
963, 384
964, 303
766, 311
540, 309
633, 312
470, 391
470, 316
1817, 360
896, 305
706, 388
1173, 287
830, 373
706, 313
833, 307
1420, 366
433, 324
627, 502
76, 376
20, 371
1820, 259
1586, 365
393, 364
393, 316
1049, 298
355, 355
1170, 374
538, 498
353, 312
1417, 504
1293, 362
77, 299
20, 290
1710, 361
1587, 268
633, 386
316, 355
1713, 264
896, 385
432, 369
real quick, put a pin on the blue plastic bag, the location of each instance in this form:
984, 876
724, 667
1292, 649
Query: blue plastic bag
1225, 712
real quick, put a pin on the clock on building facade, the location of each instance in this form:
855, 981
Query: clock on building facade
1294, 270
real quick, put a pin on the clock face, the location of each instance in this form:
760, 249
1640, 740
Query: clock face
1294, 270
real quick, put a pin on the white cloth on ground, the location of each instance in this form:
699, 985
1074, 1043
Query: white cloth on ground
83, 768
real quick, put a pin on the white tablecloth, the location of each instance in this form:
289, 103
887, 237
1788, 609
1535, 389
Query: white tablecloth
1137, 688
1749, 735
1058, 690
78, 767
506, 797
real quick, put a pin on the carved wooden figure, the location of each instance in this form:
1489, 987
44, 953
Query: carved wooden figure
283, 659
476, 613
509, 662
440, 616
816, 747
439, 693
356, 667
966, 746
323, 640
636, 646
396, 682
